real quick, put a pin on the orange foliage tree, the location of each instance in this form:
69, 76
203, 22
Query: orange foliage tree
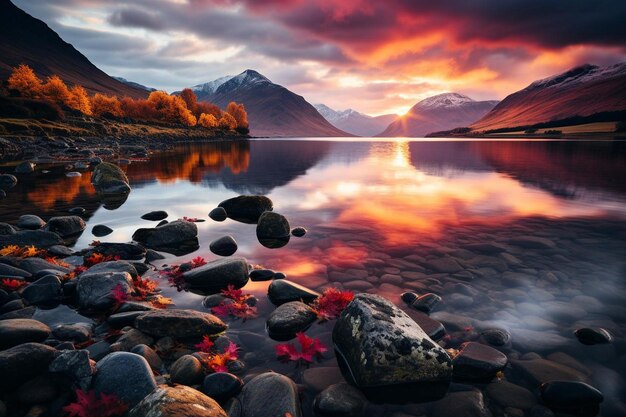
190, 100
209, 108
239, 114
227, 122
79, 100
25, 82
171, 108
207, 120
102, 105
56, 90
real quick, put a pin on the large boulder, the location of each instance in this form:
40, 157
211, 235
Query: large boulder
95, 290
246, 208
14, 332
177, 237
65, 226
218, 275
179, 323
20, 363
110, 179
273, 230
178, 401
382, 351
268, 395
126, 375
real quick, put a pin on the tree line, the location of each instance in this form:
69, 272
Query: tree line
159, 106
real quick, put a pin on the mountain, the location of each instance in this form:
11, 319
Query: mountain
134, 84
26, 40
441, 112
352, 121
582, 93
272, 109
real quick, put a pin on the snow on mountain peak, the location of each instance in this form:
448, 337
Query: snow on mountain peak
245, 78
336, 115
445, 100
211, 86
582, 74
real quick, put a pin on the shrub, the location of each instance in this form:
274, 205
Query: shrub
207, 120
102, 105
239, 114
25, 82
227, 122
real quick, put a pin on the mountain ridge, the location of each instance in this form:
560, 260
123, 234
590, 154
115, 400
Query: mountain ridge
355, 122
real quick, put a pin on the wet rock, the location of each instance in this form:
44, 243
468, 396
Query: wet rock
127, 318
340, 400
538, 371
78, 332
77, 210
218, 214
11, 271
178, 401
6, 229
426, 302
257, 275
461, 404
267, 394
113, 266
94, 290
289, 319
100, 230
24, 167
126, 375
218, 275
176, 237
20, 363
149, 355
272, 230
478, 362
298, 231
155, 215
37, 238
110, 179
128, 251
61, 314
571, 397
73, 174
532, 242
221, 386
60, 250
507, 394
99, 350
496, 337
187, 370
41, 389
214, 300
246, 208
179, 323
223, 246
433, 328
14, 332
130, 339
152, 255
409, 297
382, 351
36, 265
75, 364
65, 226
30, 222
593, 336
446, 264
44, 291
283, 291
7, 181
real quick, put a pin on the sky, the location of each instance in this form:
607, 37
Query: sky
375, 56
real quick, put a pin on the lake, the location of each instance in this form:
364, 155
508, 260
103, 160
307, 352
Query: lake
526, 236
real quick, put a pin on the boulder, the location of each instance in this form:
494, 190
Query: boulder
95, 290
382, 351
7, 270
36, 265
128, 251
44, 291
272, 225
246, 208
37, 238
110, 179
178, 401
269, 395
20, 363
187, 370
217, 275
14, 332
283, 291
478, 362
113, 266
73, 363
177, 237
223, 246
65, 226
221, 386
30, 222
126, 375
179, 323
289, 319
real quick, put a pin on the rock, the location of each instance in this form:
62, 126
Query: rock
6, 229
41, 389
593, 336
77, 210
65, 226
179, 323
149, 355
60, 250
571, 397
78, 332
218, 275
289, 319
130, 339
187, 370
221, 386
538, 371
460, 301
214, 300
126, 375
409, 297
257, 275
44, 291
75, 364
478, 362
178, 401
110, 179
283, 291
532, 242
30, 222
14, 332
152, 255
496, 337
177, 237
100, 230
37, 238
24, 167
7, 181
319, 378
20, 363
127, 318
340, 400
426, 302
223, 246
538, 341
61, 314
99, 350
73, 174
155, 215
7, 270
37, 265
246, 208
128, 251
218, 214
268, 394
446, 264
95, 289
507, 394
272, 230
113, 266
461, 404
433, 328
383, 352
298, 231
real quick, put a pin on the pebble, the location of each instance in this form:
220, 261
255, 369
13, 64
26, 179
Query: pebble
187, 370
569, 395
155, 215
426, 302
101, 230
126, 375
221, 386
223, 246
283, 291
288, 319
298, 231
257, 275
218, 214
478, 362
179, 323
593, 336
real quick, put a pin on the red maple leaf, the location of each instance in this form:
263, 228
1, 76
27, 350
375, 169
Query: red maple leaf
89, 405
144, 287
198, 261
309, 348
119, 294
205, 345
12, 284
331, 303
218, 362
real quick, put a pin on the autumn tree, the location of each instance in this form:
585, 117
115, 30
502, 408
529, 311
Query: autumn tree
209, 108
239, 114
79, 100
190, 99
56, 90
106, 105
171, 109
227, 122
25, 82
207, 120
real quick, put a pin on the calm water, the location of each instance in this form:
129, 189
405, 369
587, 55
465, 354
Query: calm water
378, 212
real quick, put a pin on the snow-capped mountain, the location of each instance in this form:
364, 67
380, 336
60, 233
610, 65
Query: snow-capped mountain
441, 112
354, 122
583, 94
272, 109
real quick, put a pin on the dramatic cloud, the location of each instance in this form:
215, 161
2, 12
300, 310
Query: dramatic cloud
376, 57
